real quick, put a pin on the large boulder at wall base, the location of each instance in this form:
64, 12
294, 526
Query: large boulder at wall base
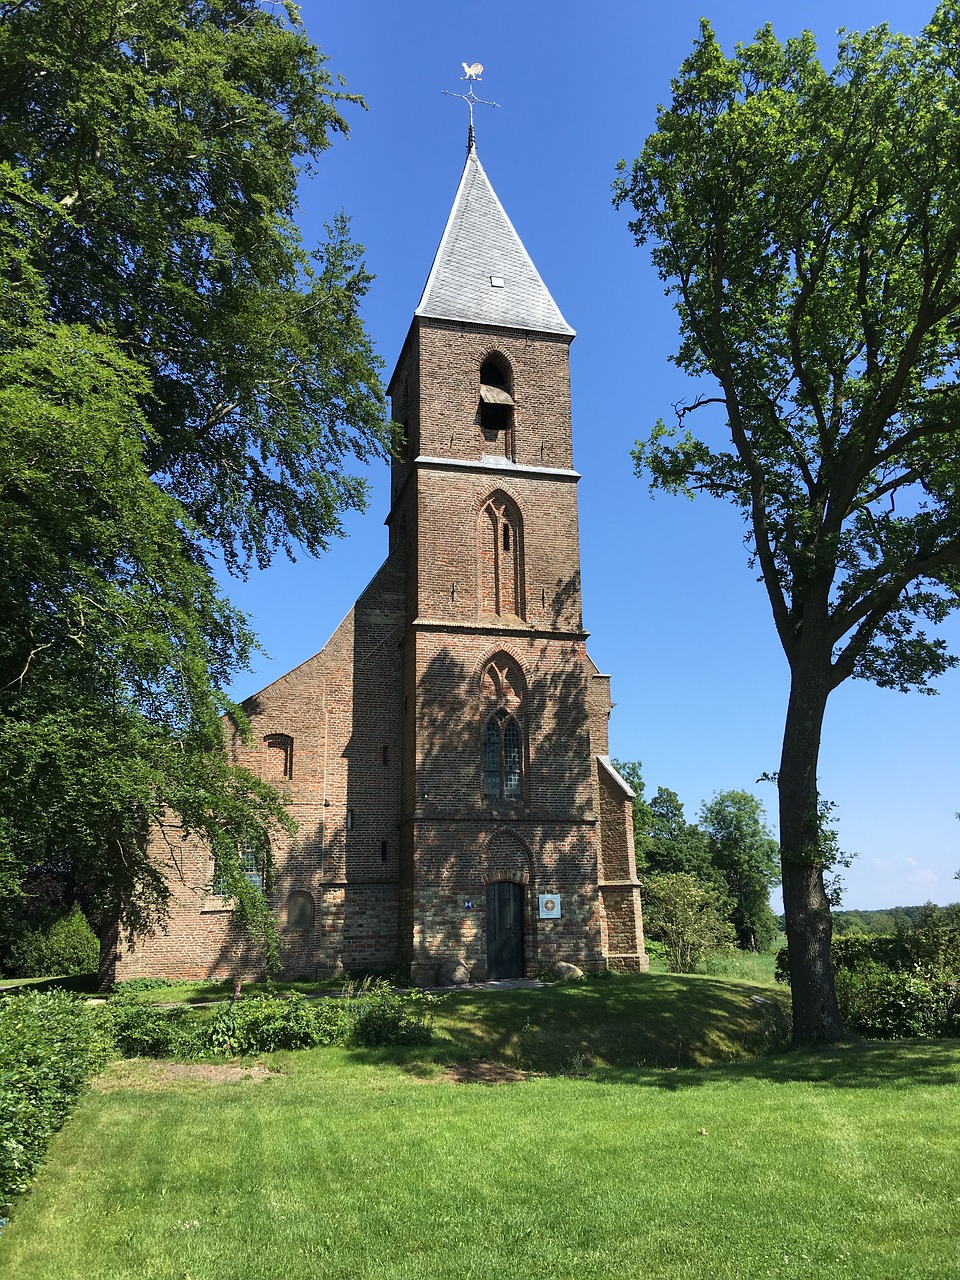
564, 972
453, 973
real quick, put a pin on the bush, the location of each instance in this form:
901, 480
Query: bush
259, 1024
381, 1016
65, 946
370, 1014
146, 984
688, 916
893, 1004
137, 1029
49, 1048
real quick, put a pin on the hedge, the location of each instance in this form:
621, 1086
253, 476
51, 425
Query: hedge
49, 1048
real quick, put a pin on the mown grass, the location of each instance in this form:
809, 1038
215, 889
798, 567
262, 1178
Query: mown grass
606, 1025
347, 1166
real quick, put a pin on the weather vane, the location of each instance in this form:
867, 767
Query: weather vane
472, 74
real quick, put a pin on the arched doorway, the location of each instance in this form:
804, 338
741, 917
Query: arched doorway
505, 930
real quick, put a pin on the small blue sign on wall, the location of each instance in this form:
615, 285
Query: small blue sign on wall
468, 904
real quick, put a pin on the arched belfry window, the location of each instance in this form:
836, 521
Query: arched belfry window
501, 689
500, 557
496, 405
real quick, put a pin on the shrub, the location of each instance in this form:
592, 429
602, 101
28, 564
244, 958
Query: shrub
66, 946
381, 1016
893, 1004
259, 1024
369, 1014
137, 1029
688, 916
146, 984
49, 1048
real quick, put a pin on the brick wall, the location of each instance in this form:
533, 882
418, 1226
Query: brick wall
382, 732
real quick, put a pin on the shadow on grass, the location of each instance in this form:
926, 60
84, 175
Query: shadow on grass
662, 1031
84, 983
624, 1023
867, 1064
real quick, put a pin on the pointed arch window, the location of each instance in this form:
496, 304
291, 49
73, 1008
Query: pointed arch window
502, 757
500, 557
496, 405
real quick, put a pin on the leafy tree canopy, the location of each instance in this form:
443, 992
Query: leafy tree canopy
743, 850
152, 152
178, 375
806, 222
675, 844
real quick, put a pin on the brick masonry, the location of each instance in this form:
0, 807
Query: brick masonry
382, 733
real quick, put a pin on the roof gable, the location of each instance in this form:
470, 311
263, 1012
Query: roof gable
482, 274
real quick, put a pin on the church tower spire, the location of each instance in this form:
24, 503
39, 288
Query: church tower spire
503, 796
482, 273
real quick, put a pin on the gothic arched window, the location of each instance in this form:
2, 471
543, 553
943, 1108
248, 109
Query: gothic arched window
496, 405
502, 757
502, 687
500, 557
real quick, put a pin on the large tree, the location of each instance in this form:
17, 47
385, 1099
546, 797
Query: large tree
179, 375
807, 223
166, 139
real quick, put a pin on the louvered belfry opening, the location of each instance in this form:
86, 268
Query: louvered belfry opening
496, 406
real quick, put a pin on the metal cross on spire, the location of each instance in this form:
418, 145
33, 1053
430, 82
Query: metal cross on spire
472, 74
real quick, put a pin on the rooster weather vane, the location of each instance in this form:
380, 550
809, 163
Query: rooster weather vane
472, 73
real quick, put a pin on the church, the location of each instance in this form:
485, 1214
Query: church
445, 755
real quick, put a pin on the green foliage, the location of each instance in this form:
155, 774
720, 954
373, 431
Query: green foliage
138, 985
156, 150
891, 1004
138, 1029
676, 845
688, 916
731, 849
742, 848
368, 1013
259, 1024
816, 277
381, 1016
179, 375
49, 1048
818, 282
65, 946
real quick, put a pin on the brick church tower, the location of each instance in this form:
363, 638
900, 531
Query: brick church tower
446, 753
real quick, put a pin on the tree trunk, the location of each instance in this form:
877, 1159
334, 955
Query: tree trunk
816, 1014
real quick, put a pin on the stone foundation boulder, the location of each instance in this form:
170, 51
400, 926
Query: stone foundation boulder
564, 972
453, 973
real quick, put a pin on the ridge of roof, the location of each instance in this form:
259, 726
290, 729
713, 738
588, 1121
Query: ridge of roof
481, 272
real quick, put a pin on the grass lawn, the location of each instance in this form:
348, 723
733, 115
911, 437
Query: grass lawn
356, 1164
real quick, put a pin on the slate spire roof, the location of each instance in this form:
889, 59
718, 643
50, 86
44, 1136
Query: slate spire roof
482, 274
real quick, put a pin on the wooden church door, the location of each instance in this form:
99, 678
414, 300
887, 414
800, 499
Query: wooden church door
505, 930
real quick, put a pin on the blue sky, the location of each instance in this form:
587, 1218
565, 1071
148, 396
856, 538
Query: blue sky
675, 614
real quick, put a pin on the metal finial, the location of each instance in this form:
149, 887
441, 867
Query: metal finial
471, 74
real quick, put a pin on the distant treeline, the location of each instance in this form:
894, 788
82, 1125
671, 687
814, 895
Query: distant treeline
894, 919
